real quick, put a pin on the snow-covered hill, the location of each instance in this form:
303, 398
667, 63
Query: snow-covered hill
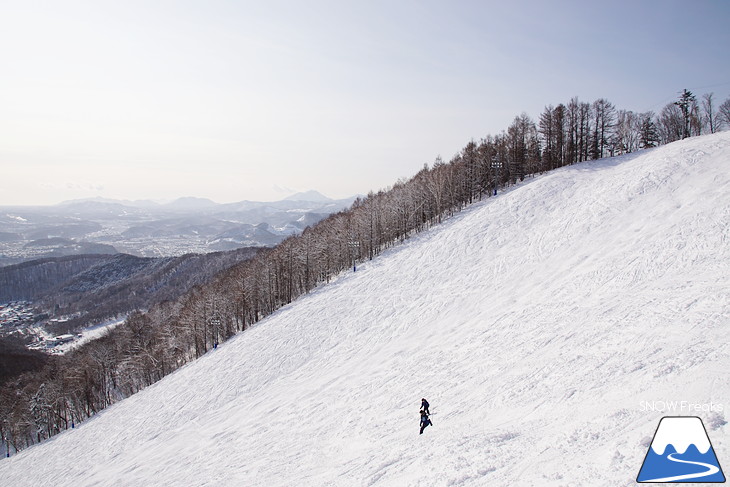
546, 327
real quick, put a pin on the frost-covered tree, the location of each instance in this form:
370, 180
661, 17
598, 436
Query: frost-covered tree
40, 409
627, 132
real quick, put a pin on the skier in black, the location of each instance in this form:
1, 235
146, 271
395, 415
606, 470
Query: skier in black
424, 405
424, 420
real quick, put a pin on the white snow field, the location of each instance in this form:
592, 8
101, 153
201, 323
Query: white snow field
547, 327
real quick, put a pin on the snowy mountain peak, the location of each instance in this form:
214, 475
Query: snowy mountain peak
312, 195
191, 203
680, 432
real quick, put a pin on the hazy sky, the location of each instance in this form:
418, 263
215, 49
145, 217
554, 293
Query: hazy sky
234, 100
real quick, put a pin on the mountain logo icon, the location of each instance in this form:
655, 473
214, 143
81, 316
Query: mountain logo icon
681, 452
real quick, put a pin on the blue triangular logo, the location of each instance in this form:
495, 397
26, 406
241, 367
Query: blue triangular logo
681, 452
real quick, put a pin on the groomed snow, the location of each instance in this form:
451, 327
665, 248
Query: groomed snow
539, 325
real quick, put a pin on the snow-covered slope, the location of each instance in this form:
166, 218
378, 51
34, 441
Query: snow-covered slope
540, 325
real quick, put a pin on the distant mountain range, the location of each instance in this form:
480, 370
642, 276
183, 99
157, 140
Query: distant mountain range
150, 229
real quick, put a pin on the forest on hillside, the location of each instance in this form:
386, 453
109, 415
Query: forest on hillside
89, 289
65, 390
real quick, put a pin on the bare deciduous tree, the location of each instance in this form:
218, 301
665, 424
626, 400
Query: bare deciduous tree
723, 114
709, 117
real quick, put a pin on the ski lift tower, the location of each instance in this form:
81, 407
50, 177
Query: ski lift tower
354, 248
496, 166
215, 323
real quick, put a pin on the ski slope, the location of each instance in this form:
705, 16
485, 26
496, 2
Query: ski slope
538, 324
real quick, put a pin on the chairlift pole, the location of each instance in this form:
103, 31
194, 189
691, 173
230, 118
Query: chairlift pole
354, 245
496, 165
215, 323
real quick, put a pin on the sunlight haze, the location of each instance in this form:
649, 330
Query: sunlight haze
255, 100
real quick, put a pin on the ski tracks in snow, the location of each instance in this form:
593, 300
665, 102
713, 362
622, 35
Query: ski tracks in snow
533, 322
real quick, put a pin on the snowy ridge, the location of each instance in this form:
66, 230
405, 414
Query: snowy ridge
534, 323
680, 433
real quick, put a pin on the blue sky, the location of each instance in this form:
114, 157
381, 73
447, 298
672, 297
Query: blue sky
234, 100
